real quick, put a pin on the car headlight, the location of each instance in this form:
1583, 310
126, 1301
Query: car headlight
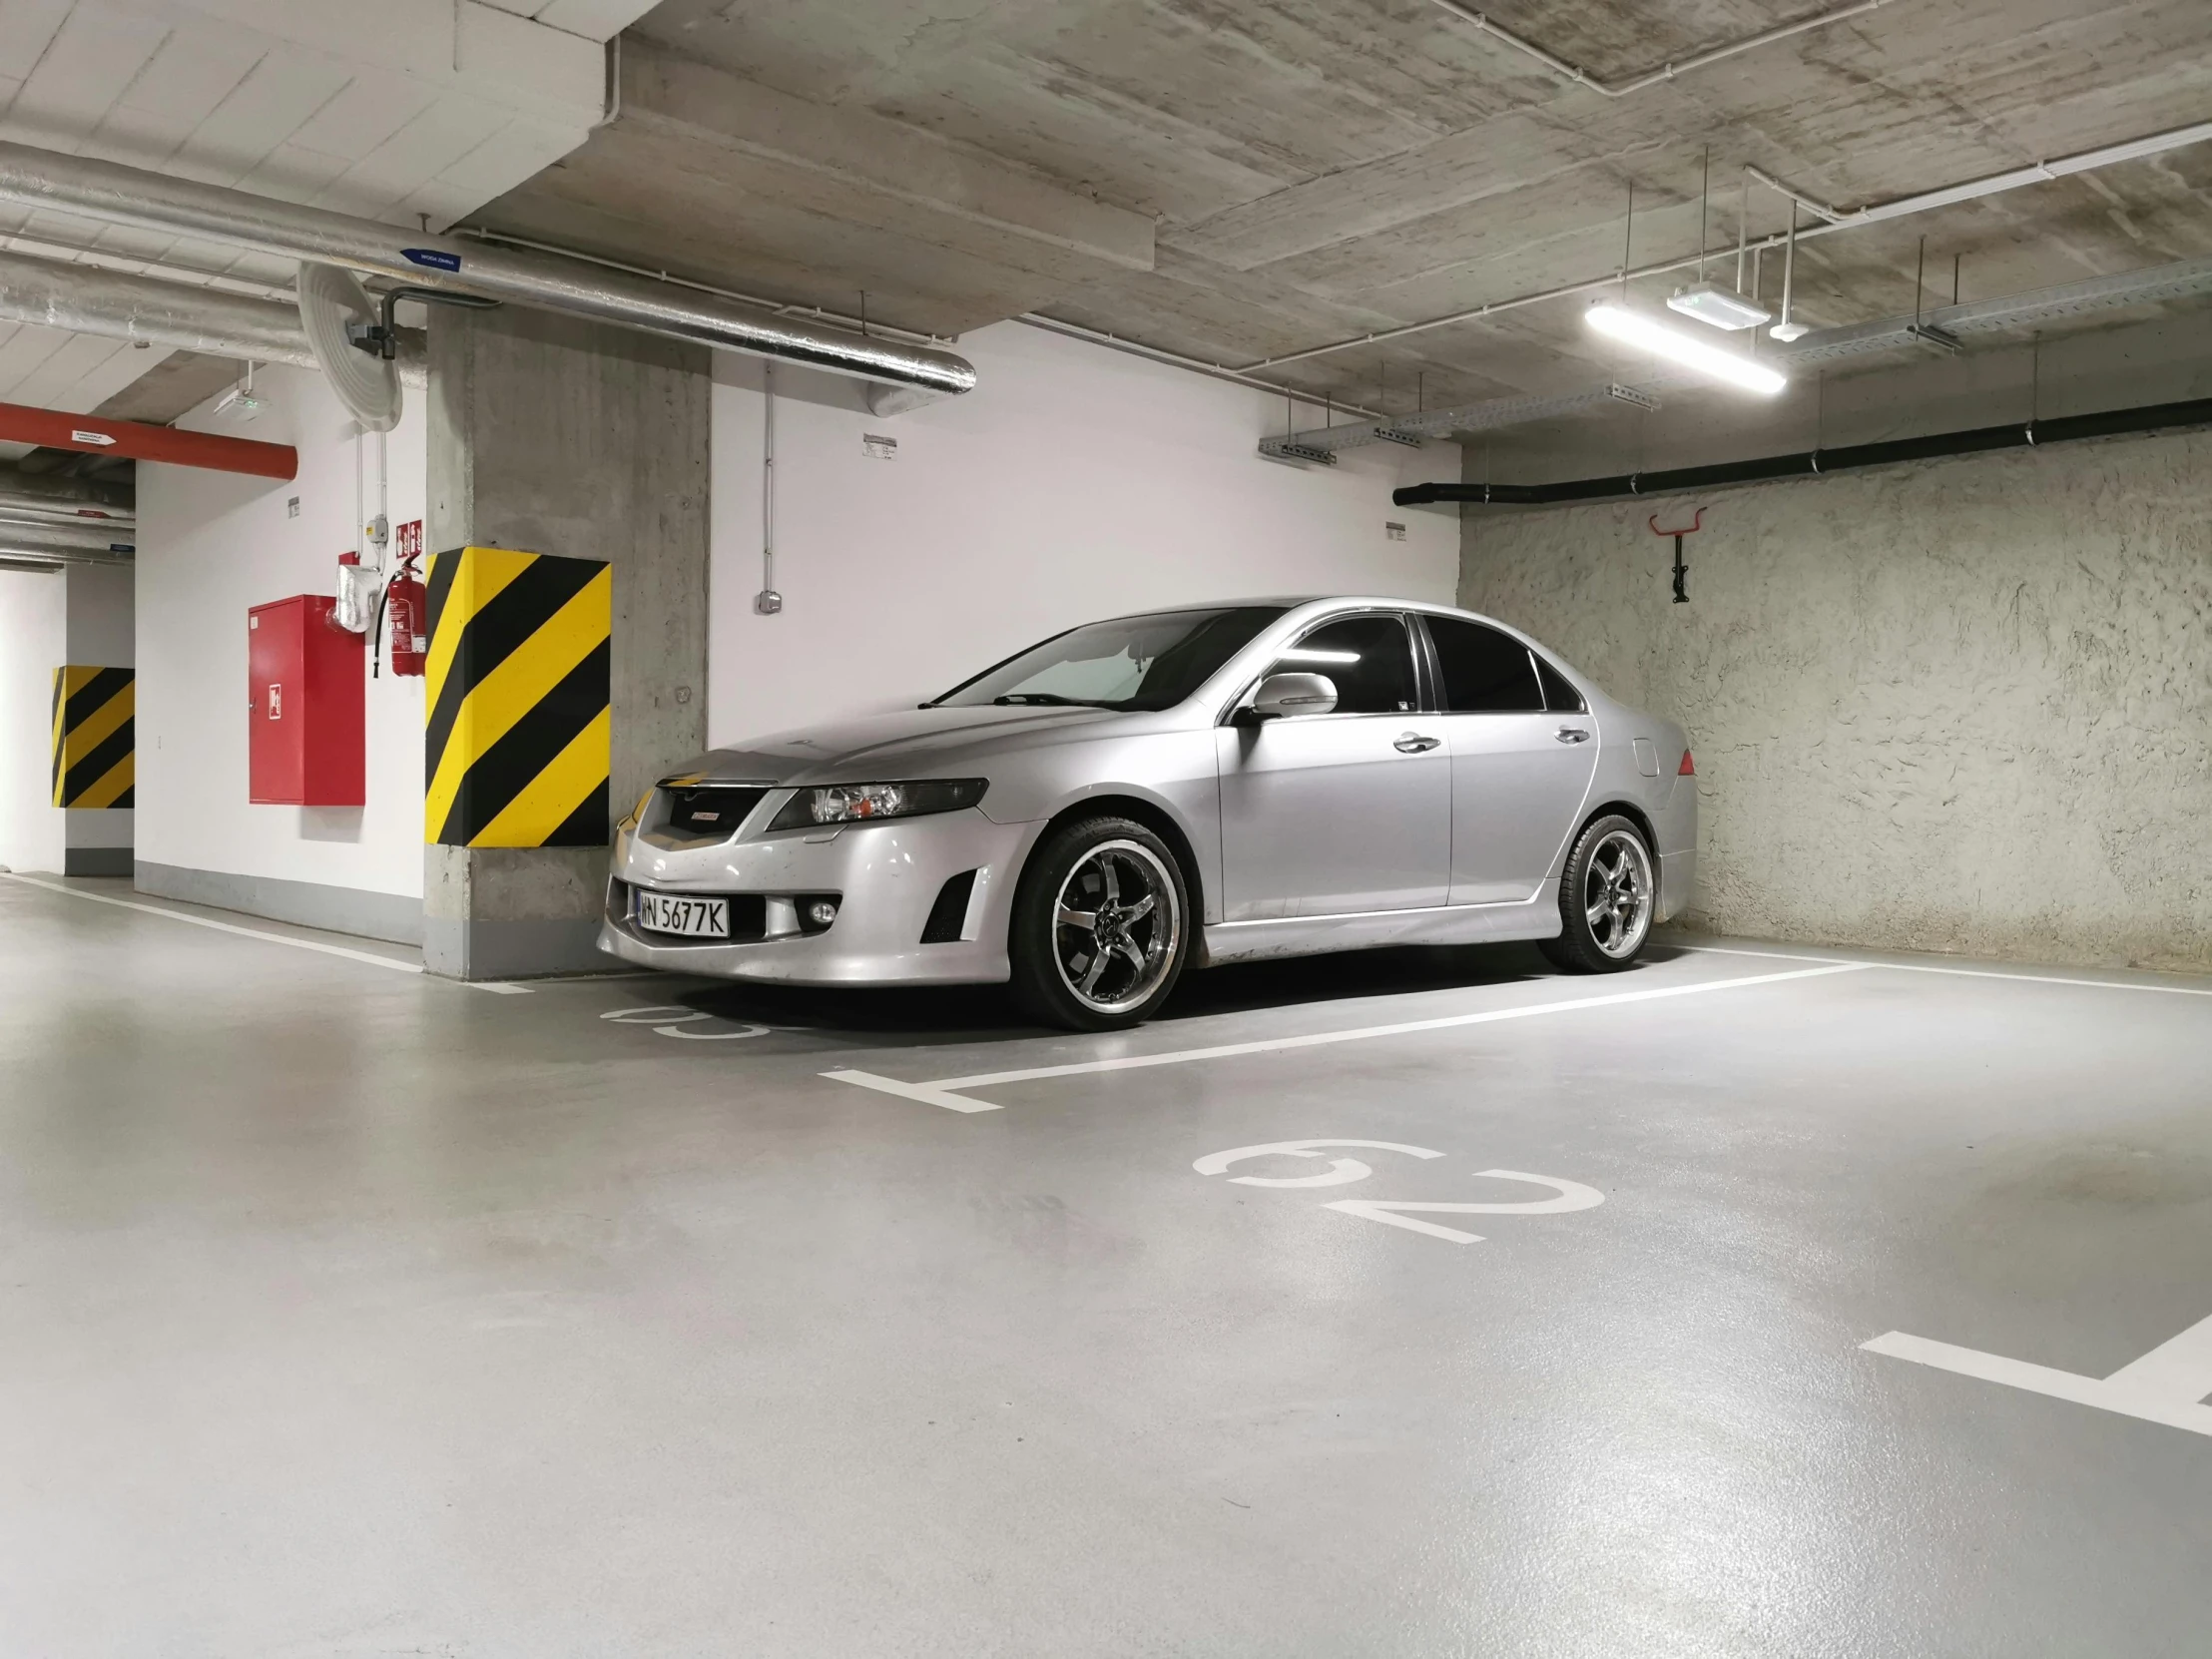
865, 802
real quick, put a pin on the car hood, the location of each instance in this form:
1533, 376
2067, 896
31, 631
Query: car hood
911, 743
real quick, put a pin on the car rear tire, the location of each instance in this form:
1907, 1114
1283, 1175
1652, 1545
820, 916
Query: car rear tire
1101, 926
1607, 897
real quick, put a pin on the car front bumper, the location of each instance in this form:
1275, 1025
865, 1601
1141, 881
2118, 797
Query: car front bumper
887, 878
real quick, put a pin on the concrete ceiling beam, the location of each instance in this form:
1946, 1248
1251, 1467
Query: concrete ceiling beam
720, 179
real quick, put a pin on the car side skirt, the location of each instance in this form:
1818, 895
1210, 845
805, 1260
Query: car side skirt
1251, 941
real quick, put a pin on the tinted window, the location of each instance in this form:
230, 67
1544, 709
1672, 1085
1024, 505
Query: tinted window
1484, 671
1561, 697
1135, 662
1368, 658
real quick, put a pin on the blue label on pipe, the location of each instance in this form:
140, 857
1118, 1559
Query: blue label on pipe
437, 259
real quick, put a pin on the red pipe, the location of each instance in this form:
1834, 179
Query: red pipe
96, 435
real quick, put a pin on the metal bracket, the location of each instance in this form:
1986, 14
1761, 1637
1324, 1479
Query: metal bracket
1276, 449
1943, 339
382, 337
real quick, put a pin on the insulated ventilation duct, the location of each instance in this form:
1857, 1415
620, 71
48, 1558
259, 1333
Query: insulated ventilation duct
901, 375
97, 300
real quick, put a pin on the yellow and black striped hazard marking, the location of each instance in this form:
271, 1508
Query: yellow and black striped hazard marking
94, 764
517, 684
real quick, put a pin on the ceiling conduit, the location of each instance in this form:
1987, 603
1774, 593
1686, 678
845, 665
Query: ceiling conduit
2109, 423
2179, 280
1927, 200
901, 375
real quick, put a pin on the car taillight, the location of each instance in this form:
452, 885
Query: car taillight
1688, 767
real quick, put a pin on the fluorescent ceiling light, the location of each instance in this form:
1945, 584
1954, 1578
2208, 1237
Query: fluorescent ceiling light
1719, 307
1650, 334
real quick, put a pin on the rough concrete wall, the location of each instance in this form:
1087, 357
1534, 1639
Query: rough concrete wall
1965, 705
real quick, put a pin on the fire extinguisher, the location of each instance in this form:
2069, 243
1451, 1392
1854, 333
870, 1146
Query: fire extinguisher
408, 602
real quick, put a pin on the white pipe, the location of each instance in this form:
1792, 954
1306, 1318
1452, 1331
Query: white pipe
1994, 184
1788, 265
1665, 72
2132, 150
378, 530
767, 601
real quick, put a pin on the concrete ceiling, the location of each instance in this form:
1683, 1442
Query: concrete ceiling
1312, 170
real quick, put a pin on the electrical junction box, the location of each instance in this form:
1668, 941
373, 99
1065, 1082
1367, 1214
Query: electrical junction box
305, 706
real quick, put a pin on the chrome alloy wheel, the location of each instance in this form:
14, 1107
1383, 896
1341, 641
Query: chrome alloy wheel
1617, 893
1115, 927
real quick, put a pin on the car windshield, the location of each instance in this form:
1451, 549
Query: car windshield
1133, 662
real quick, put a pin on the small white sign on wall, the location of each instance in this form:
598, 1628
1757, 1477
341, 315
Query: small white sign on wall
877, 447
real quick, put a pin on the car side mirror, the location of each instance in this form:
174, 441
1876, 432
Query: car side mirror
1293, 694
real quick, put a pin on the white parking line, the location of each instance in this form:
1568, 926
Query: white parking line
946, 1092
2166, 1386
1931, 967
369, 956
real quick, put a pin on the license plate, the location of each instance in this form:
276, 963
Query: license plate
697, 918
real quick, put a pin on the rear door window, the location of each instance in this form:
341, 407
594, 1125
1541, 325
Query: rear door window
1484, 672
1561, 697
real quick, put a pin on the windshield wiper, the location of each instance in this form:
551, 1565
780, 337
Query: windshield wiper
1046, 700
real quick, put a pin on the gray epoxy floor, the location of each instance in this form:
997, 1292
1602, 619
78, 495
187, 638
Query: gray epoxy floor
344, 1312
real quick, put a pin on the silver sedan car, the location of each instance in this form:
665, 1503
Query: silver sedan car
1175, 790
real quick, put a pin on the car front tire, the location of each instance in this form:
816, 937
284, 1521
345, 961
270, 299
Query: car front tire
1101, 926
1609, 895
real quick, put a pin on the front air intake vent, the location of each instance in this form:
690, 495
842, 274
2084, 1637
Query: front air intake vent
948, 915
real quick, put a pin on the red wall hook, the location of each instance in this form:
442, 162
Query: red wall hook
1681, 570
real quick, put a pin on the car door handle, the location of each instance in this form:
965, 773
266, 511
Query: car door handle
1412, 743
1573, 734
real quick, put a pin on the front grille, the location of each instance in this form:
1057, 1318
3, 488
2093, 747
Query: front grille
708, 811
698, 815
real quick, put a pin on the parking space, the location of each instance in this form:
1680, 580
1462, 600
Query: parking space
1422, 1304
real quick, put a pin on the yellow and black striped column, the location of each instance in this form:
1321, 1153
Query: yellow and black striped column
518, 691
94, 761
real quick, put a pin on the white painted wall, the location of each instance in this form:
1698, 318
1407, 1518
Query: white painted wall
211, 546
33, 640
1075, 482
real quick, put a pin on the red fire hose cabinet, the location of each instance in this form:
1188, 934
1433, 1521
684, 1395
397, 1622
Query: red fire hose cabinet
305, 706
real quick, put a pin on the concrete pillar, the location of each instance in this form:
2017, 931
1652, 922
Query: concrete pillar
556, 435
101, 632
